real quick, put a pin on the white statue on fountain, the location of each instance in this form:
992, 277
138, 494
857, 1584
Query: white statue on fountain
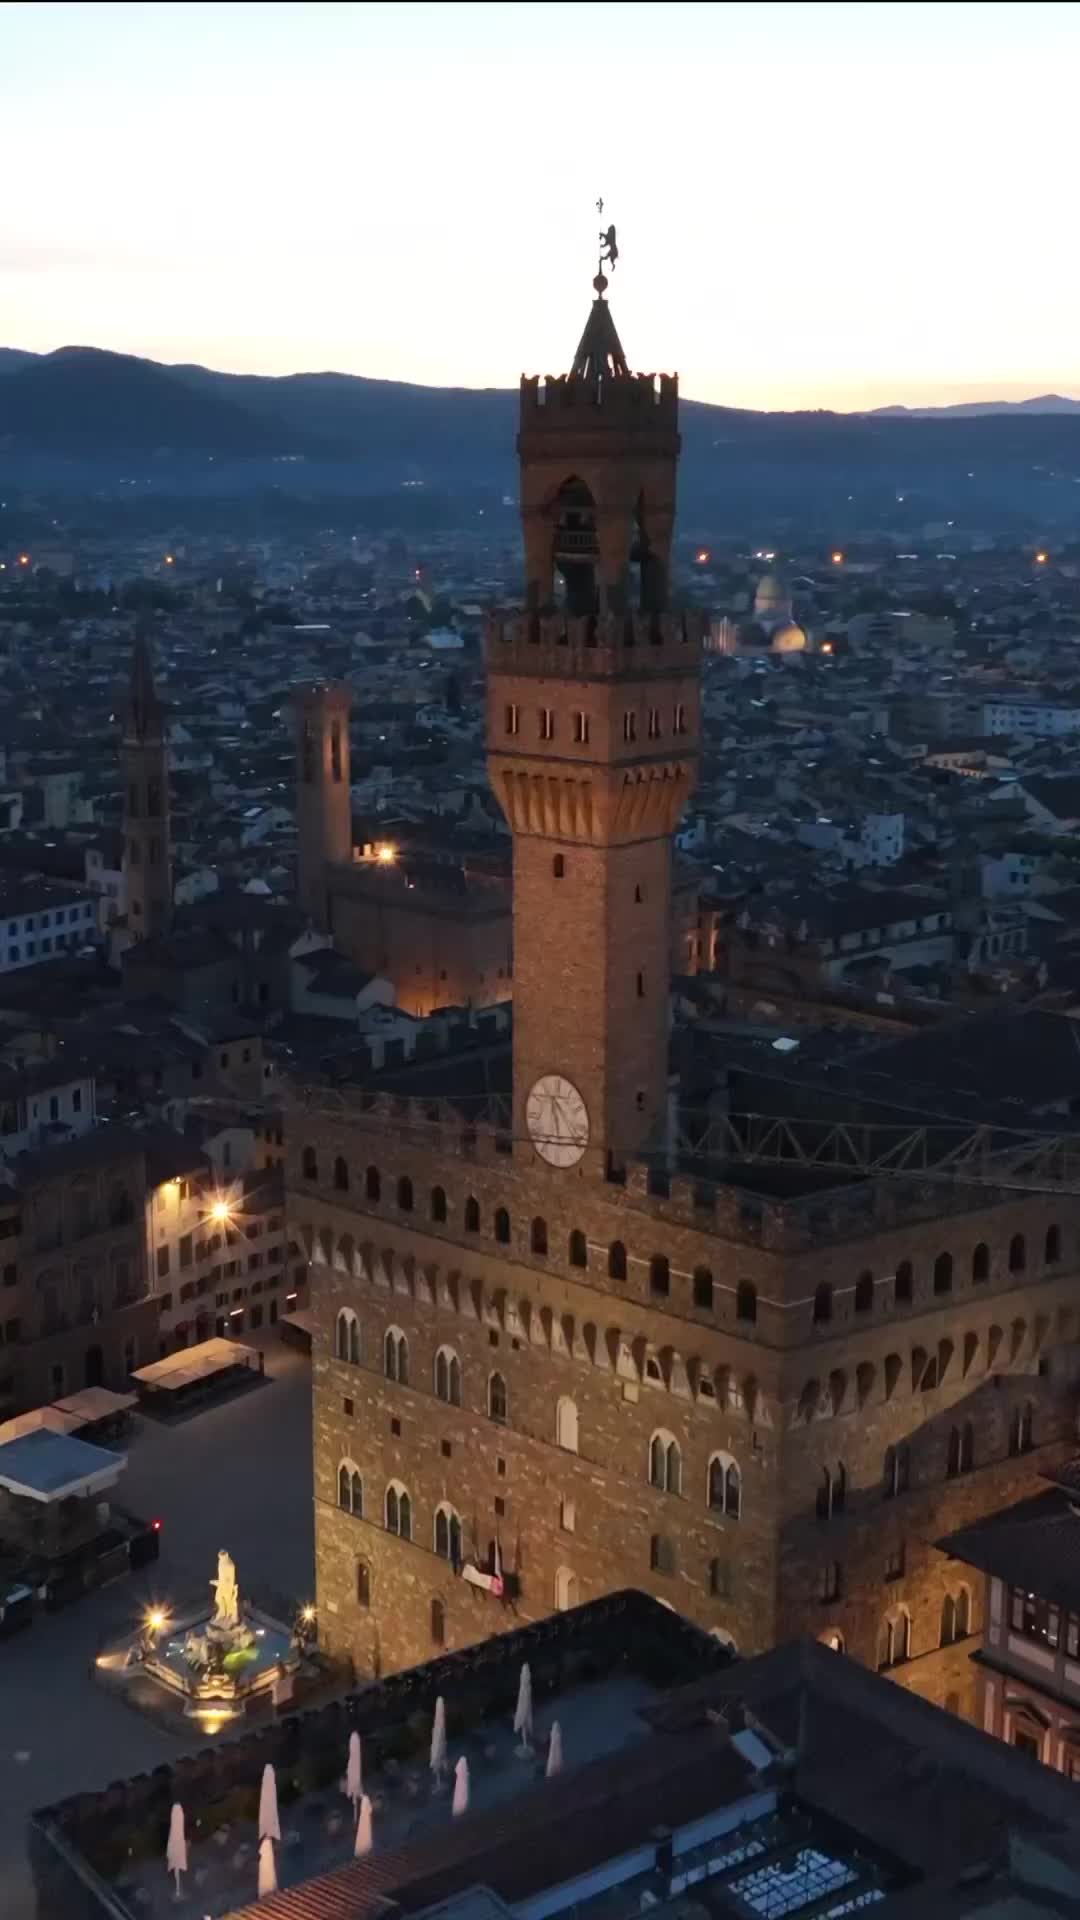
226, 1593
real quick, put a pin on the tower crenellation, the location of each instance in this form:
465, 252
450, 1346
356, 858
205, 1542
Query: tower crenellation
647, 400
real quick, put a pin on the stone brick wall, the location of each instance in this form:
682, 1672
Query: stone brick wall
633, 1364
436, 957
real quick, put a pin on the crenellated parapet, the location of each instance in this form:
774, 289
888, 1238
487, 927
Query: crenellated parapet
560, 646
643, 402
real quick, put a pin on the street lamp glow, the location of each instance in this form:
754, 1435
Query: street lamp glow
307, 1614
220, 1213
386, 854
1041, 559
156, 1619
838, 559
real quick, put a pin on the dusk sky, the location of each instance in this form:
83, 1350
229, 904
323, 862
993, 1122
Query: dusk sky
817, 205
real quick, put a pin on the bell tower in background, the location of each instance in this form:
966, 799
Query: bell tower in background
593, 726
323, 799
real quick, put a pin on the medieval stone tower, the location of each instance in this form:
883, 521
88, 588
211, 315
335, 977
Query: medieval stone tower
144, 761
323, 808
548, 1363
593, 722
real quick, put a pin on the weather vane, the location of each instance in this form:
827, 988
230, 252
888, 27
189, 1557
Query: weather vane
609, 252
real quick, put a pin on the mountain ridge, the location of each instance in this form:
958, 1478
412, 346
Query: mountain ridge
82, 410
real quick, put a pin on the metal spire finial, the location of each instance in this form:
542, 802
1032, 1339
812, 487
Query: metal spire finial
609, 253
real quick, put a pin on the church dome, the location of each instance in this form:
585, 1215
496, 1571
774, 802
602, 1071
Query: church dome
771, 598
789, 639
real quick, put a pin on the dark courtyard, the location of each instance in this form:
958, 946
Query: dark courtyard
235, 1476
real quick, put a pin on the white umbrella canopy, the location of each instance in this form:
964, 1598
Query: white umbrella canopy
267, 1866
354, 1778
364, 1840
460, 1803
554, 1759
269, 1825
176, 1852
437, 1760
523, 1713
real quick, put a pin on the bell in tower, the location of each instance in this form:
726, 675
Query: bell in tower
599, 448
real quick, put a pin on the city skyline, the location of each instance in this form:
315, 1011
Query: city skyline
374, 189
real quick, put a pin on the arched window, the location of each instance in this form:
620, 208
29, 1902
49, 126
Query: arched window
448, 1534
746, 1302
363, 1584
538, 1235
498, 1400
721, 1582
864, 1293
894, 1644
962, 1612
566, 1425
980, 1263
896, 1477
347, 1340
616, 1261
659, 1274
448, 1376
832, 1492
350, 1489
558, 866
438, 1622
1021, 1429
372, 1183
405, 1193
438, 1204
725, 1486
1017, 1254
396, 1356
1052, 1247
309, 1164
502, 1226
943, 1267
904, 1283
665, 1463
578, 1249
472, 1214
822, 1304
566, 1589
398, 1511
703, 1289
341, 1174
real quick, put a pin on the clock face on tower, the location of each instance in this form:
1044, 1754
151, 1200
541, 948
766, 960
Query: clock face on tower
558, 1120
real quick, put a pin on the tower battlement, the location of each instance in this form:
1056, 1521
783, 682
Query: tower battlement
558, 646
643, 401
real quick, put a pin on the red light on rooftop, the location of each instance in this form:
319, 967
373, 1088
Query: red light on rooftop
155, 1526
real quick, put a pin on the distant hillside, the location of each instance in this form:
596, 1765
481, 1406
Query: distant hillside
84, 400
972, 409
1015, 465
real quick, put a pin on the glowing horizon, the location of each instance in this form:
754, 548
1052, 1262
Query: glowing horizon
818, 205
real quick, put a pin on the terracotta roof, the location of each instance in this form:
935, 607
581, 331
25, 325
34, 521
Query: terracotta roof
1034, 1545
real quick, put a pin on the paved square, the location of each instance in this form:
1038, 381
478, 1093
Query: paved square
236, 1476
